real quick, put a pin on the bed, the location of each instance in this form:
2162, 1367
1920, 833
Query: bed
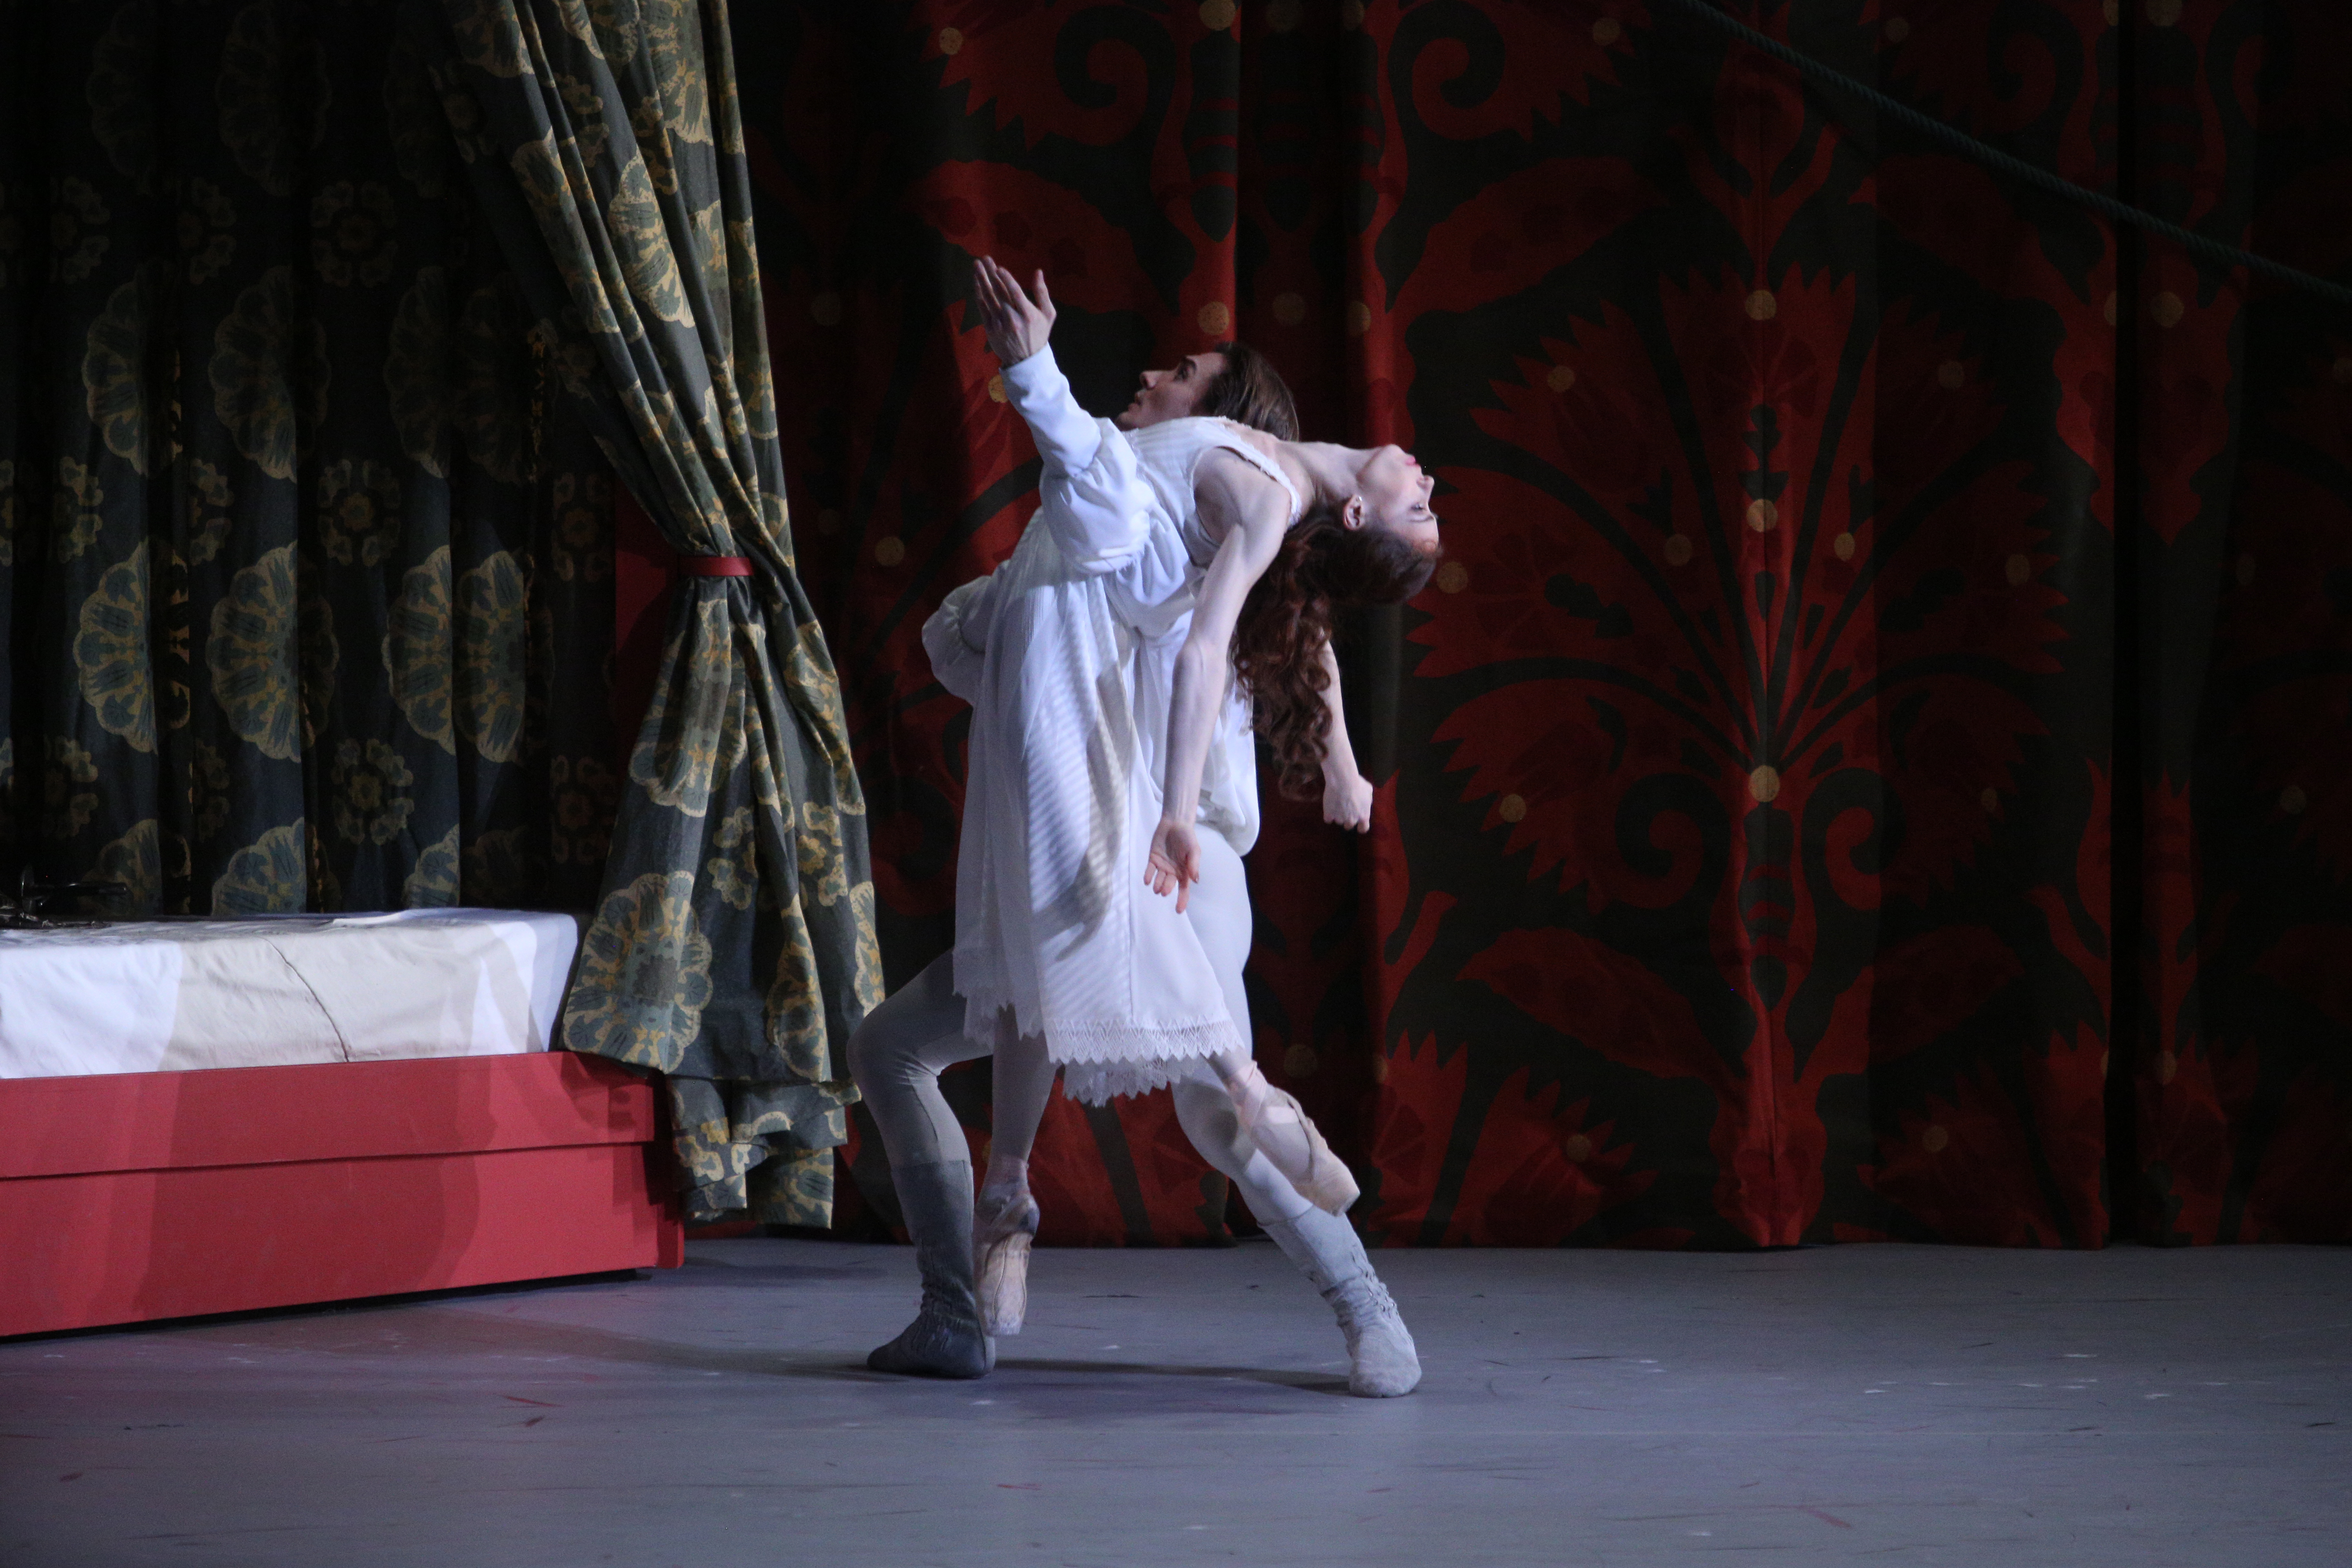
211, 1116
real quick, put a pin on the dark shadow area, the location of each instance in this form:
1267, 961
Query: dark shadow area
1305, 1382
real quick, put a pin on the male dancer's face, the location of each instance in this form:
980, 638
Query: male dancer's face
1174, 394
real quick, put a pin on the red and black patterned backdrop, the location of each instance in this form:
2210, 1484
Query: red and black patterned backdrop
1876, 597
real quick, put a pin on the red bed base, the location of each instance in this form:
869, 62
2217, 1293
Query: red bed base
132, 1197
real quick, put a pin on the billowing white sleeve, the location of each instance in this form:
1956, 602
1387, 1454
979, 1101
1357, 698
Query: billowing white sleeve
1097, 501
956, 636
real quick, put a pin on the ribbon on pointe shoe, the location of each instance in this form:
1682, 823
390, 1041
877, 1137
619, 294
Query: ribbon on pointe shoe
1006, 1225
1290, 1140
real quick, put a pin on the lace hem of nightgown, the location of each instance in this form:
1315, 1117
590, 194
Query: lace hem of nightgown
1100, 1083
1102, 1059
1092, 1079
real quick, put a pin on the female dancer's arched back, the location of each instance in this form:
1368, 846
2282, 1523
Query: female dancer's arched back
1069, 654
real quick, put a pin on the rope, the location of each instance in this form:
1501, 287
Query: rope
2016, 168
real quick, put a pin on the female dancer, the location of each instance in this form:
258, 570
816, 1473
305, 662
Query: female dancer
1069, 654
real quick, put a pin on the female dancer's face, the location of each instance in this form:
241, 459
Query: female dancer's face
1391, 492
1172, 394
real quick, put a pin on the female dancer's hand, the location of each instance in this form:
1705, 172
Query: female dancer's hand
1175, 862
1348, 799
1017, 325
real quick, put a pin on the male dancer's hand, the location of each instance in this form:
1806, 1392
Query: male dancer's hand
1175, 862
1017, 325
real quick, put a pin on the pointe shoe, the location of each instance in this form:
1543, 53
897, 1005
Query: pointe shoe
1001, 1241
1382, 1362
1291, 1143
946, 1339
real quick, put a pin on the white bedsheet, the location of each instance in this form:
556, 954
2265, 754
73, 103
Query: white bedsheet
162, 995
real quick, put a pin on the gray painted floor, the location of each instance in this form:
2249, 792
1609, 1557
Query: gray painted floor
1857, 1404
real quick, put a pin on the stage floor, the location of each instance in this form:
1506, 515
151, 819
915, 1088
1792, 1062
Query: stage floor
1882, 1404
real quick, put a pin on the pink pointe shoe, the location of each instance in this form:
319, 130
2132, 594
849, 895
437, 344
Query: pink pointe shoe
1289, 1140
1002, 1231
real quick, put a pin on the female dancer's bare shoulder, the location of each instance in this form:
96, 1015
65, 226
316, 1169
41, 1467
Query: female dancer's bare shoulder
1230, 491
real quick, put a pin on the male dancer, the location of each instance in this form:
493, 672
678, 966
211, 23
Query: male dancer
1094, 544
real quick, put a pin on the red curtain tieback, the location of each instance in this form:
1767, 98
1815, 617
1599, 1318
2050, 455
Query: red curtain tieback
714, 565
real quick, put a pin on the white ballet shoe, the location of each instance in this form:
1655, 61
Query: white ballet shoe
1001, 1241
1382, 1362
1291, 1143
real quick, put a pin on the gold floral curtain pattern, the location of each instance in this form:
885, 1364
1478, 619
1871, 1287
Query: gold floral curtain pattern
305, 585
734, 945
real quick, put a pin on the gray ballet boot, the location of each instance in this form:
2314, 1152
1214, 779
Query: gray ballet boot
1382, 1362
945, 1340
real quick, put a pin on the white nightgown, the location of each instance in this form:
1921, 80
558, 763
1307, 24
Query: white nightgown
1066, 654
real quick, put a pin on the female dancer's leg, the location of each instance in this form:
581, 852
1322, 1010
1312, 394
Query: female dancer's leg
1005, 1221
1380, 1354
1218, 909
1215, 1098
1267, 1119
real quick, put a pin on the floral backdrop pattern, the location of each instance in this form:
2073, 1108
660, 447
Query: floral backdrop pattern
1871, 763
1865, 767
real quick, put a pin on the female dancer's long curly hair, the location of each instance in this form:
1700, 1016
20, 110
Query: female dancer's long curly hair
1285, 619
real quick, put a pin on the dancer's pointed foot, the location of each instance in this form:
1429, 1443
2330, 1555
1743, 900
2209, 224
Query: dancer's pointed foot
1006, 1224
946, 1339
1286, 1136
1382, 1362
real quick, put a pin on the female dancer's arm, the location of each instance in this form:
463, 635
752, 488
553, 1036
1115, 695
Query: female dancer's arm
1252, 513
1347, 793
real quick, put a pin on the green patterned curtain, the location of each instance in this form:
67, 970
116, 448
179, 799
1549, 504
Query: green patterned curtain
305, 590
734, 942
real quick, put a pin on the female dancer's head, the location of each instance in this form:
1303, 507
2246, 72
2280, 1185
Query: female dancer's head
1369, 538
1232, 381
